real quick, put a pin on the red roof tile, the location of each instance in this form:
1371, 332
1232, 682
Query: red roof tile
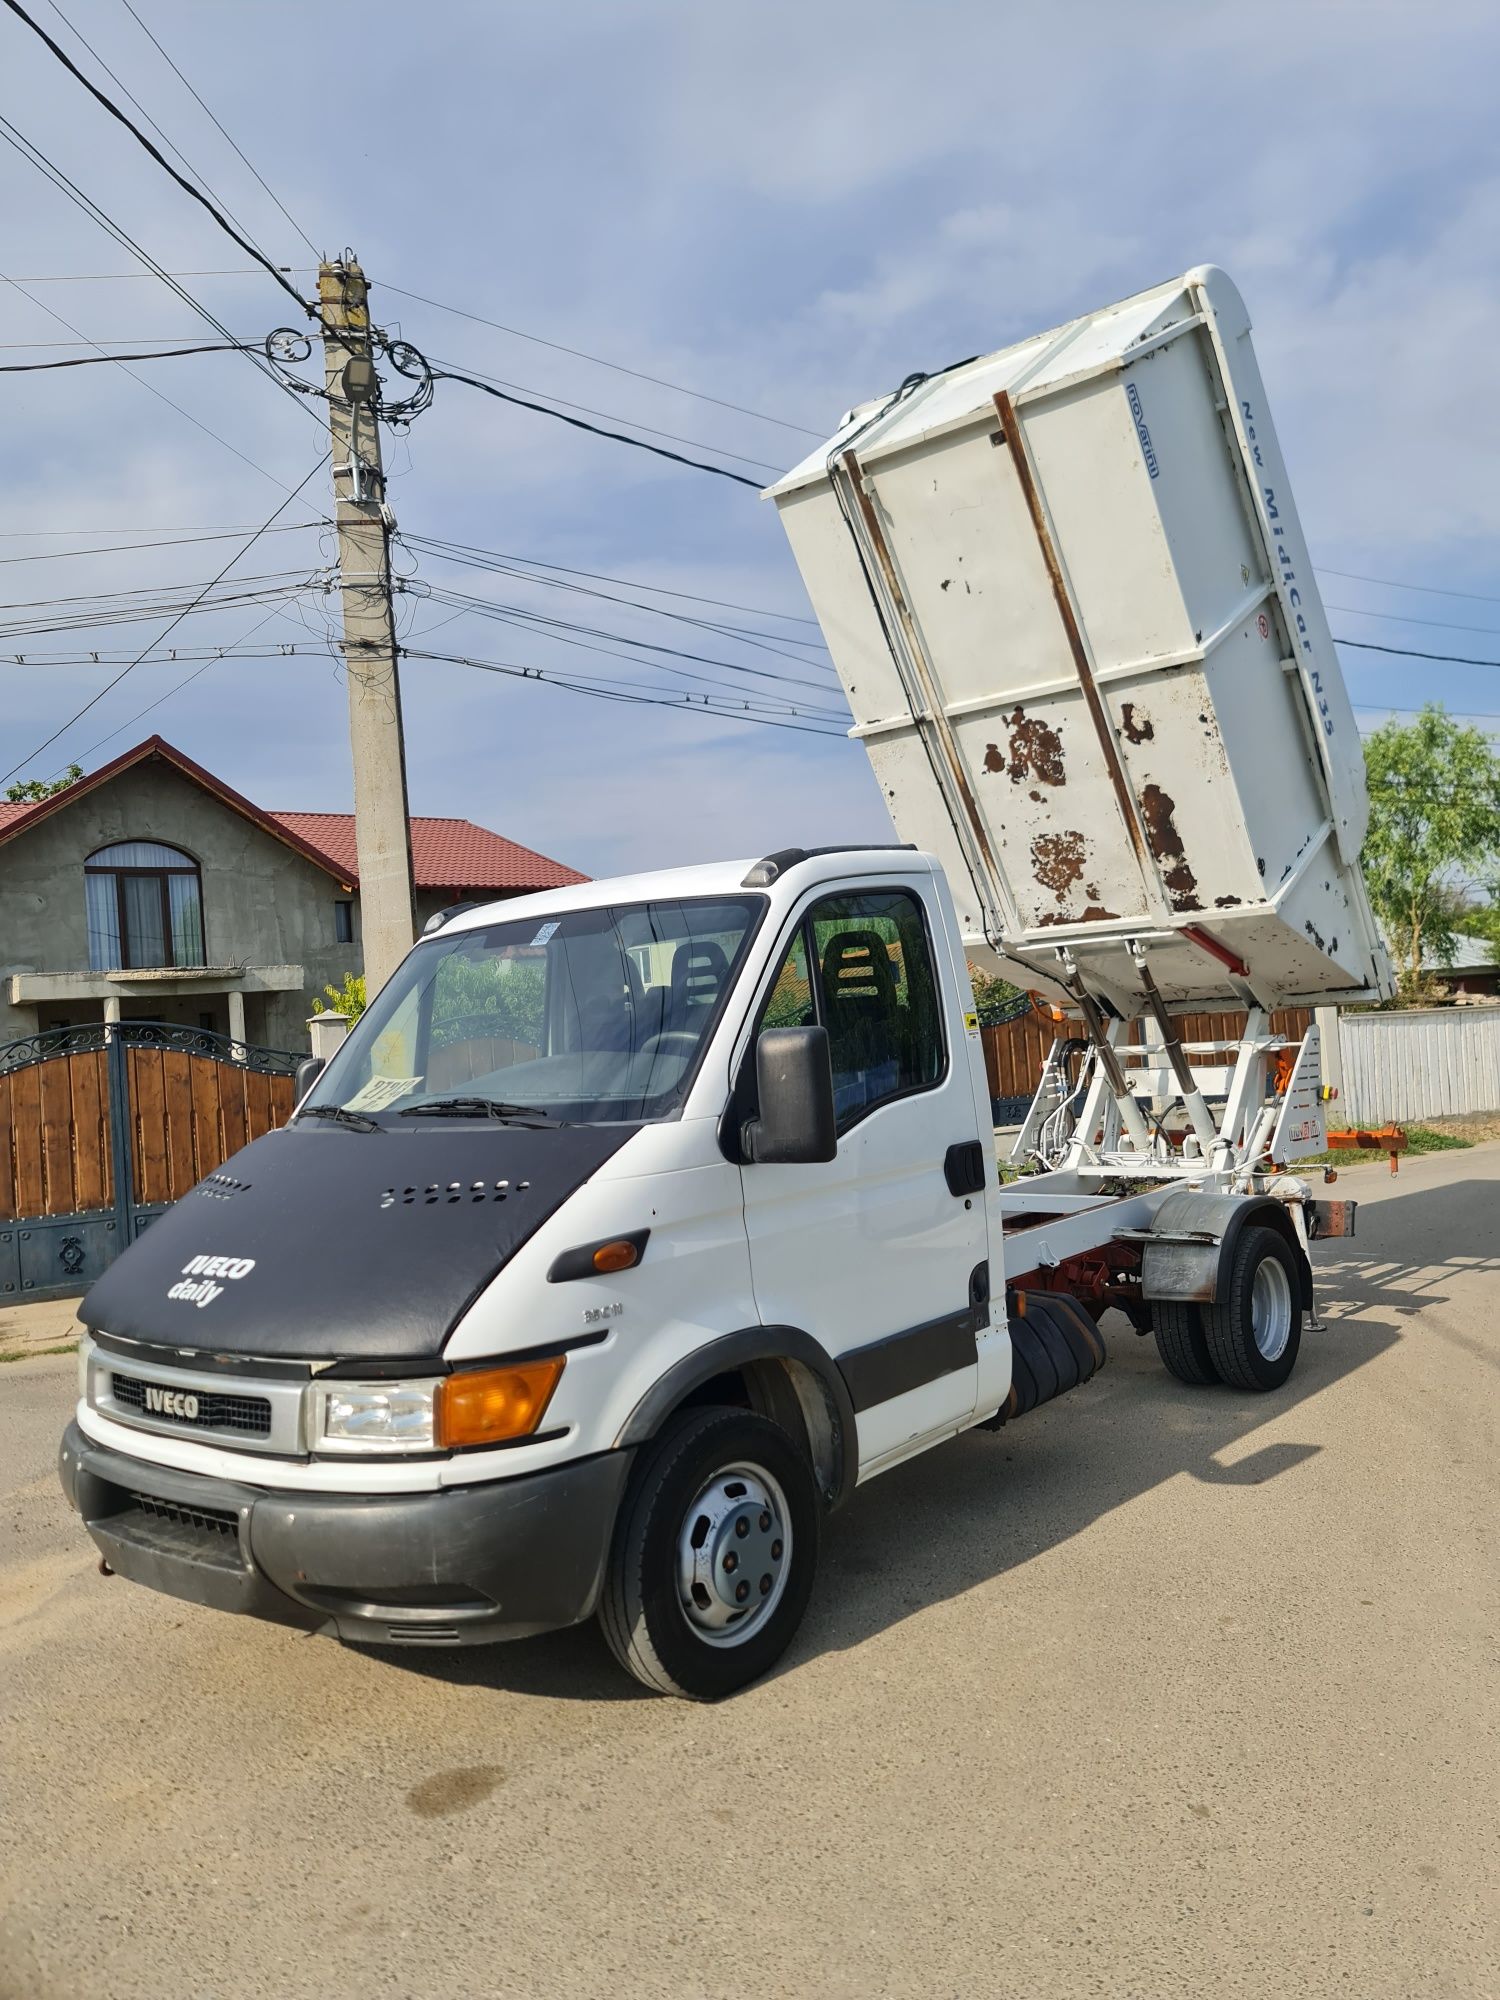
446, 853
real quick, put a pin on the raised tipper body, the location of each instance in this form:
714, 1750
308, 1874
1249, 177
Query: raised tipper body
1067, 592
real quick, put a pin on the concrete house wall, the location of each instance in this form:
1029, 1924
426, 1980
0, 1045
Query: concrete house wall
264, 905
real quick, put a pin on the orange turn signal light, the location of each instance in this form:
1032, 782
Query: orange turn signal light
492, 1405
617, 1256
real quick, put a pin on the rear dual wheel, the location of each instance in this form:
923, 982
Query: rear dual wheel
1251, 1340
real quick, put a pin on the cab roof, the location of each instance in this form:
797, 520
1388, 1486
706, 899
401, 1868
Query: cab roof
755, 875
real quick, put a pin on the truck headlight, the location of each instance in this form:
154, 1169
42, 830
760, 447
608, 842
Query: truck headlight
373, 1416
476, 1406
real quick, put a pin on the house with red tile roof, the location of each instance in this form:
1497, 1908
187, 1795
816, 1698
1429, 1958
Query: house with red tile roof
152, 890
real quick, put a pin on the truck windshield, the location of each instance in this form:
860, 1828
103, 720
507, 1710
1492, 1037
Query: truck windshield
587, 1017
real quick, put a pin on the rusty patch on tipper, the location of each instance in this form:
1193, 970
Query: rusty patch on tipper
1161, 829
1226, 902
1035, 751
1180, 882
1092, 915
994, 757
1136, 731
1057, 861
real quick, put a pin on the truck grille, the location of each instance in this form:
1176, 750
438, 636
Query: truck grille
211, 1521
249, 1415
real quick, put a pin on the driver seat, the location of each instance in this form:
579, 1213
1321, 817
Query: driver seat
699, 974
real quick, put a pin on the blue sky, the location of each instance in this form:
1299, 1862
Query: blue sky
787, 208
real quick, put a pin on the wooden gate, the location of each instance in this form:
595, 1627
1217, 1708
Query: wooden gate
103, 1127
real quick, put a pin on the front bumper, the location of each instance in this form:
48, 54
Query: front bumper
465, 1565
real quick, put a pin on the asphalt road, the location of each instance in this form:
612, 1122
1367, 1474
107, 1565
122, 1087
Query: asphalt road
1160, 1692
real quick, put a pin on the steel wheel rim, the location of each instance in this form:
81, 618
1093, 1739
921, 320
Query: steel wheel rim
735, 1537
1271, 1308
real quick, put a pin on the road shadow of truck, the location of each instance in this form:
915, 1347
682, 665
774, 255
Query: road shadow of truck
990, 1502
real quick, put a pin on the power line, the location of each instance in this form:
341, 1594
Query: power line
169, 542
685, 673
173, 656
684, 703
225, 135
509, 614
581, 423
629, 582
1391, 583
115, 340
160, 394
212, 209
1407, 653
138, 614
1400, 618
598, 360
147, 590
120, 84
93, 360
115, 679
762, 641
152, 528
33, 153
614, 416
212, 660
133, 277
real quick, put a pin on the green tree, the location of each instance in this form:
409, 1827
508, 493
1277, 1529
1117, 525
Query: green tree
995, 999
349, 998
1434, 827
38, 788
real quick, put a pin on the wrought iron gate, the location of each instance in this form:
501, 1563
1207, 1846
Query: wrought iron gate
103, 1127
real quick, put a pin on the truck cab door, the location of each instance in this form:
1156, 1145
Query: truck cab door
882, 1253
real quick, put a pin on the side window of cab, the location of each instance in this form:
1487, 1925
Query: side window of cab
862, 967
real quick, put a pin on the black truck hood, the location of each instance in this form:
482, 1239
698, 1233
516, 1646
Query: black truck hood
322, 1242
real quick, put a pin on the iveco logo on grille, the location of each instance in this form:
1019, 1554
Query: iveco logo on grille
172, 1402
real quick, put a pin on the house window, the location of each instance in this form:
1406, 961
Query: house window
343, 923
145, 907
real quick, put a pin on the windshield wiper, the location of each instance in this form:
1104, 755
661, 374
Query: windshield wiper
480, 1107
337, 1112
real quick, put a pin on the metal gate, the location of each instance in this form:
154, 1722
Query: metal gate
103, 1127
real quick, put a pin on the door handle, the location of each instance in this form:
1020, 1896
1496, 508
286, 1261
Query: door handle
963, 1167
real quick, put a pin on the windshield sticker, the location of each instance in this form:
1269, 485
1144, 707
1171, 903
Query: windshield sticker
381, 1091
546, 931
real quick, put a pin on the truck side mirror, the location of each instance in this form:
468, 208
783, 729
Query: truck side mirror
308, 1071
794, 1080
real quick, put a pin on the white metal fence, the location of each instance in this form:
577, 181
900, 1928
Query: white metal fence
1429, 1062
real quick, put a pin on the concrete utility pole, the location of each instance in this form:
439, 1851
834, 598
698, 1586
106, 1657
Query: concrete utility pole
382, 823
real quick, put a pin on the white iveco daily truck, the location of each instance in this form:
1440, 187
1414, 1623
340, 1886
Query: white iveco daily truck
636, 1223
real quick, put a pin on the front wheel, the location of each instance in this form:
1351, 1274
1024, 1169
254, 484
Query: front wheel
714, 1555
1254, 1336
